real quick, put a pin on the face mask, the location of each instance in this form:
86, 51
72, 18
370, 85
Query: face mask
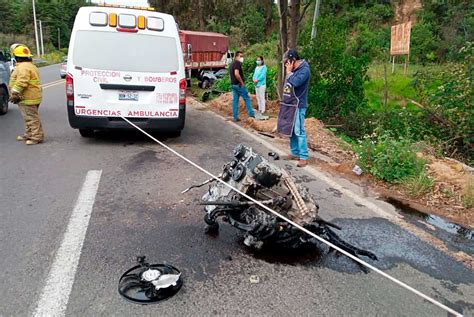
241, 59
259, 62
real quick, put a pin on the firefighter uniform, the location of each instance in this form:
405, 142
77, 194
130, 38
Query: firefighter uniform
26, 91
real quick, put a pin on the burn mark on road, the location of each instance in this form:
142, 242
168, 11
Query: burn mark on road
141, 160
335, 192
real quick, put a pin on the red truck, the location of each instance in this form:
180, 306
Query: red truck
204, 51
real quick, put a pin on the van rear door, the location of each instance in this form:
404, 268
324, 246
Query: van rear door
125, 72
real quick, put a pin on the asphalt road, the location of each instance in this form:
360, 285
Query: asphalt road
139, 210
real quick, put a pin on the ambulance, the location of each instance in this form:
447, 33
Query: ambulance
125, 62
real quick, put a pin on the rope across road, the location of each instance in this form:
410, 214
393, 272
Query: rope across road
362, 262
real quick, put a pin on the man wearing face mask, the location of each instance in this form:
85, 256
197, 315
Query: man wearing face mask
293, 106
238, 87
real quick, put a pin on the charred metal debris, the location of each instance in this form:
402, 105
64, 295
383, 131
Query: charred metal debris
274, 187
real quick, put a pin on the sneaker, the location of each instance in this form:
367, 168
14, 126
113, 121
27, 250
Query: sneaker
302, 163
236, 120
21, 138
31, 142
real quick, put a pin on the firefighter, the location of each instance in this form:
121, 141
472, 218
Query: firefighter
26, 92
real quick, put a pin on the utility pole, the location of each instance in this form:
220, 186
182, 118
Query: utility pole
314, 30
59, 38
41, 37
36, 29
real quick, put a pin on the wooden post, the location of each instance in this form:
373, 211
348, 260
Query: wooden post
405, 67
385, 93
393, 64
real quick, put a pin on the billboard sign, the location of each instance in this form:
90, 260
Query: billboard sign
400, 39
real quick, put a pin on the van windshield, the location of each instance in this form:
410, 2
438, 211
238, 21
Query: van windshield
125, 52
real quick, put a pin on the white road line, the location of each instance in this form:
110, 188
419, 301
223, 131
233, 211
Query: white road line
55, 295
54, 83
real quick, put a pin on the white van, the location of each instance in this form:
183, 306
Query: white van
125, 62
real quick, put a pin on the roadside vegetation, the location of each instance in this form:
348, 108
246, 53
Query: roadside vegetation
389, 118
57, 17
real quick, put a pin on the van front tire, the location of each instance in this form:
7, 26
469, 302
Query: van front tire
3, 101
86, 133
175, 134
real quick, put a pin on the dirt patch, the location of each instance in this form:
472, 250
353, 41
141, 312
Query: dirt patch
451, 178
405, 10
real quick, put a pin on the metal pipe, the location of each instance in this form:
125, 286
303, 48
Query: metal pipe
41, 37
36, 29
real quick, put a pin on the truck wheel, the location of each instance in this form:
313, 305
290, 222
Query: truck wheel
86, 133
3, 101
205, 84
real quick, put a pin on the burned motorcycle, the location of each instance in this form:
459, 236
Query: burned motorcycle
274, 187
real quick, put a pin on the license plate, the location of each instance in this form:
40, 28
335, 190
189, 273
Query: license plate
128, 95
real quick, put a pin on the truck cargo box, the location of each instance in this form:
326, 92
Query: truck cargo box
209, 49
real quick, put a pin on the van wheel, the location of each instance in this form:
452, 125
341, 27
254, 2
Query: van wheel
175, 134
3, 101
86, 133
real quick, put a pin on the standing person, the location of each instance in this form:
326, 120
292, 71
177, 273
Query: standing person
260, 81
26, 92
238, 87
294, 105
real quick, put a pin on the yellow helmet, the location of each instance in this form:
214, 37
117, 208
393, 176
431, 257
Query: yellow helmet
12, 47
20, 50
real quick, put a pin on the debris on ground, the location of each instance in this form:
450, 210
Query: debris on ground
149, 283
254, 279
278, 203
451, 195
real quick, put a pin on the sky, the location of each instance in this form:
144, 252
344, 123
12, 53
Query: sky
140, 3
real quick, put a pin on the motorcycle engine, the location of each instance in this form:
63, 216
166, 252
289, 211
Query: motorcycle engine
255, 176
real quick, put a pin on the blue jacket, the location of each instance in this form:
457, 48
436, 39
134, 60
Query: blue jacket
300, 80
260, 74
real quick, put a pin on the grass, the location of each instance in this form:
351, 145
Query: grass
418, 185
468, 193
51, 58
195, 90
400, 88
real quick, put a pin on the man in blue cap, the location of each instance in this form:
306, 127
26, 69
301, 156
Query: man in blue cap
298, 77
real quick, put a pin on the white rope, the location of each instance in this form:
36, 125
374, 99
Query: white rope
402, 284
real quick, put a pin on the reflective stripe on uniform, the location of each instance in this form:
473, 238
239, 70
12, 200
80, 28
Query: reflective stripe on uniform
17, 88
31, 102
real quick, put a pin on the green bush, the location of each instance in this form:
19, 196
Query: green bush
372, 42
223, 84
251, 26
54, 57
423, 43
448, 106
388, 158
337, 76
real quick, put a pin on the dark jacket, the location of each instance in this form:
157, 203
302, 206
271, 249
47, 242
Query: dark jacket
300, 80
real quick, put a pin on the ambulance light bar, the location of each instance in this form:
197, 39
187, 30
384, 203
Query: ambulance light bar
125, 22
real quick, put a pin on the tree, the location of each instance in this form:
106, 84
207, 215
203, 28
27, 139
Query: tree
289, 29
